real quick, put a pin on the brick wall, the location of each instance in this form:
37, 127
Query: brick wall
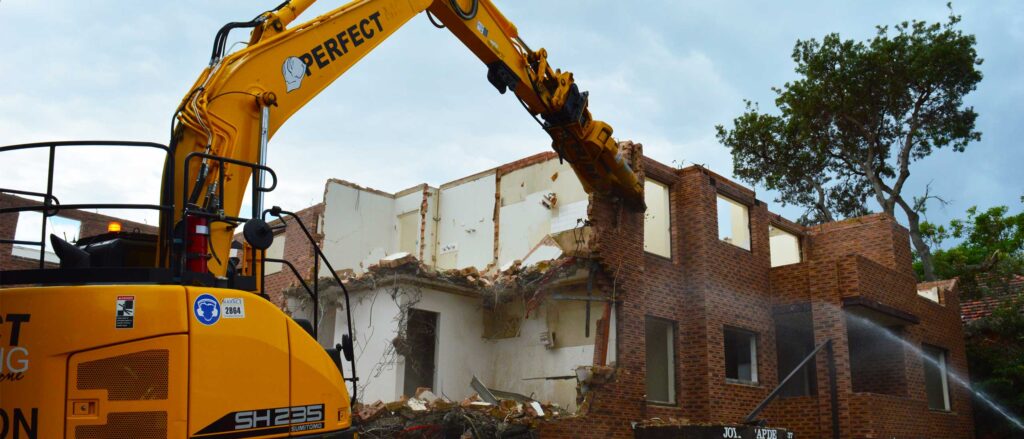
877, 237
708, 284
877, 364
869, 258
297, 250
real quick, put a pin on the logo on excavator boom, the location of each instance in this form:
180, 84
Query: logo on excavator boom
293, 70
330, 50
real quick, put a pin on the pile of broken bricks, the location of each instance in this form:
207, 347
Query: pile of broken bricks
488, 413
427, 415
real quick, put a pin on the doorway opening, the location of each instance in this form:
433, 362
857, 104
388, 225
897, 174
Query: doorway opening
421, 361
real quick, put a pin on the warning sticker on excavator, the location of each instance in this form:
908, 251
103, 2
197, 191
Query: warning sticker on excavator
125, 318
206, 309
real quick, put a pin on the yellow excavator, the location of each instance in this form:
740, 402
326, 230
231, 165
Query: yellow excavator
167, 336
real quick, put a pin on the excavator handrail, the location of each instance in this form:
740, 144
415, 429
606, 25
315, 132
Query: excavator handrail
51, 205
85, 143
279, 213
256, 183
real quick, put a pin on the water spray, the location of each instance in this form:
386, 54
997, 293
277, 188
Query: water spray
952, 374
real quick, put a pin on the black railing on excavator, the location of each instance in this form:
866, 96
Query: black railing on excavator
215, 214
346, 346
51, 206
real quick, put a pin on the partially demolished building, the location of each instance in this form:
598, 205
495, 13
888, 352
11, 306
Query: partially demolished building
693, 311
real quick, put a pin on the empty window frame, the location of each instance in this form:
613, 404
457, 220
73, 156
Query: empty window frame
740, 356
276, 251
935, 377
733, 222
661, 366
784, 247
657, 238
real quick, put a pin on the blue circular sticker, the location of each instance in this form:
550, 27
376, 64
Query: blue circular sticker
206, 309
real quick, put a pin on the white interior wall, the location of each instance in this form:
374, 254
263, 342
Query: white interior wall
733, 222
462, 352
523, 220
409, 201
359, 227
466, 227
657, 235
526, 356
275, 251
375, 326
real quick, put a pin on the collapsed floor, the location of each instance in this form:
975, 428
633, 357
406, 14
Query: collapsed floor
548, 309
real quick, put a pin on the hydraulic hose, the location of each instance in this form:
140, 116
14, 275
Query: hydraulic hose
465, 15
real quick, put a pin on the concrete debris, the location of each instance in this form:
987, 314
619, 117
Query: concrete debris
485, 414
425, 394
428, 416
416, 405
550, 200
589, 379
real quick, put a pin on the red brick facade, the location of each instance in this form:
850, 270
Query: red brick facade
709, 284
297, 250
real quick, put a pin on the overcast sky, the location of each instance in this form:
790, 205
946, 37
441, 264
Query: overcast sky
419, 109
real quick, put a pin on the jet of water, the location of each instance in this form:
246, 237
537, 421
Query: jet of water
955, 376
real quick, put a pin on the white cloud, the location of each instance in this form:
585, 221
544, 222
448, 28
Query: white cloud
419, 109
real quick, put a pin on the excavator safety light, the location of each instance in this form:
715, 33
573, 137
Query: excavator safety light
113, 226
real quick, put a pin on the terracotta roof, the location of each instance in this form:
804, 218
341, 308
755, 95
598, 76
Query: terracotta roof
972, 310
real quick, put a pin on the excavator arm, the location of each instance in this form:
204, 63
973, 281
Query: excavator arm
241, 99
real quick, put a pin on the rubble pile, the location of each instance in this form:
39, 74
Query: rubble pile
428, 416
494, 285
489, 413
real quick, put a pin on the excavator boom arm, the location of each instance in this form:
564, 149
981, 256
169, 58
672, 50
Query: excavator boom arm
241, 99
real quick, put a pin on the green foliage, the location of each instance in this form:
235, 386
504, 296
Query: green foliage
858, 116
995, 354
990, 251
